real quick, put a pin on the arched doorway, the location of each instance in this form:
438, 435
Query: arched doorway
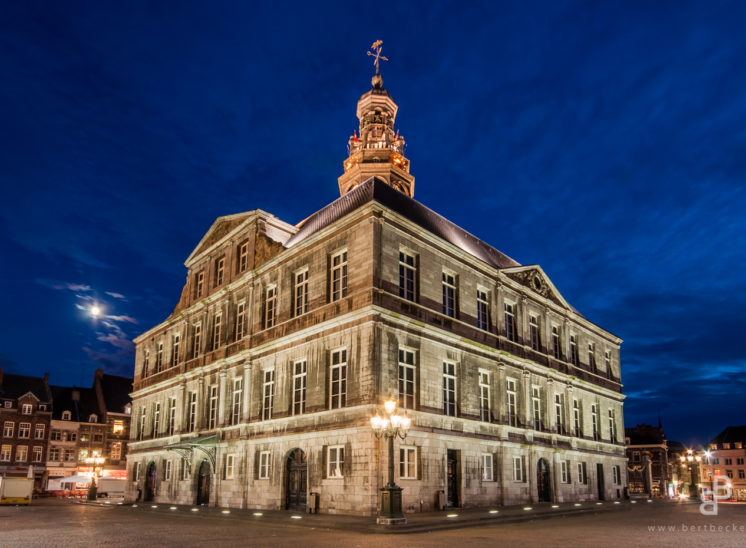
203, 483
150, 477
296, 482
543, 484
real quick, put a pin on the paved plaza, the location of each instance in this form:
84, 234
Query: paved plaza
64, 523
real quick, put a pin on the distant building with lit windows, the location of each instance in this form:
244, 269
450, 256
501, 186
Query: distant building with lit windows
257, 391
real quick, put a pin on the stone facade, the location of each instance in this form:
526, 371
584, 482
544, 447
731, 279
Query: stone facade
258, 390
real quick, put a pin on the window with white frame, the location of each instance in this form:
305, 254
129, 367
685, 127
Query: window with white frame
24, 430
407, 462
536, 407
171, 416
407, 276
559, 412
406, 379
199, 284
518, 469
264, 465
27, 409
197, 340
338, 275
483, 310
66, 415
270, 306
92, 418
582, 473
268, 394
175, 345
5, 451
21, 453
145, 364
577, 418
484, 396
240, 320
556, 348
212, 409
219, 271
616, 473
229, 460
592, 356
7, 404
612, 425
156, 418
39, 432
236, 400
607, 361
299, 386
38, 452
488, 473
217, 330
338, 379
512, 400
449, 389
510, 327
116, 451
184, 469
243, 256
167, 471
136, 473
594, 421
143, 419
533, 333
335, 461
192, 412
449, 294
159, 357
563, 472
573, 350
300, 292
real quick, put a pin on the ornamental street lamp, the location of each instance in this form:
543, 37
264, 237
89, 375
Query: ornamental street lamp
95, 461
391, 424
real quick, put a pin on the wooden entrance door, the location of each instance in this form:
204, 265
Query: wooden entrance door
150, 477
203, 483
452, 477
296, 484
543, 482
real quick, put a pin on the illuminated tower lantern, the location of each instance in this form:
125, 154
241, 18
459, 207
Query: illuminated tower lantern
377, 149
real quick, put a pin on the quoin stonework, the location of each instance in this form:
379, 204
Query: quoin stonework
257, 391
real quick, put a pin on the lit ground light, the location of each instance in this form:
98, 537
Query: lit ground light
493, 511
258, 514
172, 508
527, 508
225, 511
452, 515
296, 517
555, 505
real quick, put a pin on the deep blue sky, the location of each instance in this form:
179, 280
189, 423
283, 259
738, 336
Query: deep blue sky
605, 142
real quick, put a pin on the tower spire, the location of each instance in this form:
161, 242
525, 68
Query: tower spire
379, 150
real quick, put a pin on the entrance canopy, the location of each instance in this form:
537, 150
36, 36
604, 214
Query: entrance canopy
186, 448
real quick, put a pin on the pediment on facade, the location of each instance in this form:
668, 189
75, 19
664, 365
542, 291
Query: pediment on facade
29, 396
219, 230
535, 279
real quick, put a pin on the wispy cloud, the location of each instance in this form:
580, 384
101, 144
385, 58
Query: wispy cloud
116, 295
59, 286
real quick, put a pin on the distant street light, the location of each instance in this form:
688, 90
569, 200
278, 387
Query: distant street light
95, 461
391, 425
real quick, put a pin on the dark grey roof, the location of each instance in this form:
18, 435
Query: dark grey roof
644, 434
377, 190
79, 409
116, 392
731, 434
15, 386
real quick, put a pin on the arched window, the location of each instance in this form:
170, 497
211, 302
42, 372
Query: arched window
66, 415
93, 418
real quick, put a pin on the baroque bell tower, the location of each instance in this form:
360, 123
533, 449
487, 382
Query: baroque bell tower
377, 150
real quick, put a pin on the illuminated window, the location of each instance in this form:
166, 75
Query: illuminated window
21, 453
449, 389
407, 462
270, 306
406, 379
299, 387
5, 451
488, 473
228, 470
240, 320
167, 471
175, 344
192, 412
159, 357
264, 465
171, 418
268, 394
484, 396
8, 429
156, 418
236, 401
518, 469
212, 416
594, 421
217, 328
512, 397
536, 406
116, 451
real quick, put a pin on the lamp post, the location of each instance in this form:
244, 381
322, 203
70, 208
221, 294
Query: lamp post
390, 424
94, 461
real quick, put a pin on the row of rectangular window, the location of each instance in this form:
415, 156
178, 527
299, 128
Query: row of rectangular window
21, 453
24, 430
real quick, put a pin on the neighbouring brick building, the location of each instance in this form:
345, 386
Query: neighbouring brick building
647, 455
25, 414
257, 391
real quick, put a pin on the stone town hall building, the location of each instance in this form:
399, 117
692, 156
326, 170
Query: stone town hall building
257, 391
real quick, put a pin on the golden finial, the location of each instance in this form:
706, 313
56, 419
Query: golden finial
376, 47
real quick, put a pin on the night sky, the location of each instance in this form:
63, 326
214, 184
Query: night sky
604, 142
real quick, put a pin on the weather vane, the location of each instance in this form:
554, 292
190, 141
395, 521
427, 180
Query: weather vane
377, 46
